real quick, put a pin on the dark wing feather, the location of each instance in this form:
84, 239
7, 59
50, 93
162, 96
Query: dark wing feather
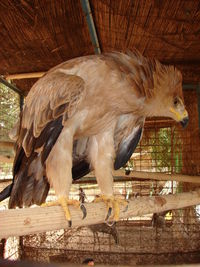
127, 136
127, 147
80, 169
48, 137
6, 192
81, 165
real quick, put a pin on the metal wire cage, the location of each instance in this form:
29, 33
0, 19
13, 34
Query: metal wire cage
9, 114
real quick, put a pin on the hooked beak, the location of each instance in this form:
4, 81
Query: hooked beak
184, 122
181, 117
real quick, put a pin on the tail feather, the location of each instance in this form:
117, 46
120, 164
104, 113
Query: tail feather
30, 185
41, 190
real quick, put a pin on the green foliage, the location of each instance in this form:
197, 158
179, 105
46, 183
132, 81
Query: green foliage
9, 110
9, 114
160, 151
166, 150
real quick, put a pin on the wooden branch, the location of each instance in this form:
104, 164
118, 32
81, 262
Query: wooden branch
41, 219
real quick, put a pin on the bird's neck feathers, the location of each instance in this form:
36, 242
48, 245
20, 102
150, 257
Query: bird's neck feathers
155, 82
167, 84
167, 80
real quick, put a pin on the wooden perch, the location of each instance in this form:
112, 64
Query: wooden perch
41, 219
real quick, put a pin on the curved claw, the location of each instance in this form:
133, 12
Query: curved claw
126, 208
108, 214
84, 211
111, 224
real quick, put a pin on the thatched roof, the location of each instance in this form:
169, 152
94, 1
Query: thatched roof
37, 35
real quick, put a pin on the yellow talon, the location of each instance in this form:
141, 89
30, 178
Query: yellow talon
112, 203
64, 202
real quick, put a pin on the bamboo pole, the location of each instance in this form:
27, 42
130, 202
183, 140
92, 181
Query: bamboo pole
26, 221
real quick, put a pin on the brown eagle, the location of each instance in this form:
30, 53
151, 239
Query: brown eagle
88, 114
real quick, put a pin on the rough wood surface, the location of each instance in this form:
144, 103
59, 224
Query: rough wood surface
35, 220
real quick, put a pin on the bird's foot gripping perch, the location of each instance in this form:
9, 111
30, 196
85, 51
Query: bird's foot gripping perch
64, 202
112, 203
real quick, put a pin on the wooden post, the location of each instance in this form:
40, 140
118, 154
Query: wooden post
26, 221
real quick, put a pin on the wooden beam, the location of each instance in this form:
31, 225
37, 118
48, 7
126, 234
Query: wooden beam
153, 176
26, 221
20, 76
160, 176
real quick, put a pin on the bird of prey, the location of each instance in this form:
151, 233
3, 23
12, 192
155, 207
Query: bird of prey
88, 114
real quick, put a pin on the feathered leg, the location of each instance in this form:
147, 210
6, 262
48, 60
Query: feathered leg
102, 154
59, 177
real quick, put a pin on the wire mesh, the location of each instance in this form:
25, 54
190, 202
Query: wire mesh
9, 114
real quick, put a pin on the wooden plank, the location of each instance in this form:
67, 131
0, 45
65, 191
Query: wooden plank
26, 221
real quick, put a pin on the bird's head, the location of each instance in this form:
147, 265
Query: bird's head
178, 112
168, 94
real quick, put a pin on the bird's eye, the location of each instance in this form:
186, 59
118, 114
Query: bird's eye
176, 101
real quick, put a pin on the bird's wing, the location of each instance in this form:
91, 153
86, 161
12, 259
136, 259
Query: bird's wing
56, 94
127, 136
52, 100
